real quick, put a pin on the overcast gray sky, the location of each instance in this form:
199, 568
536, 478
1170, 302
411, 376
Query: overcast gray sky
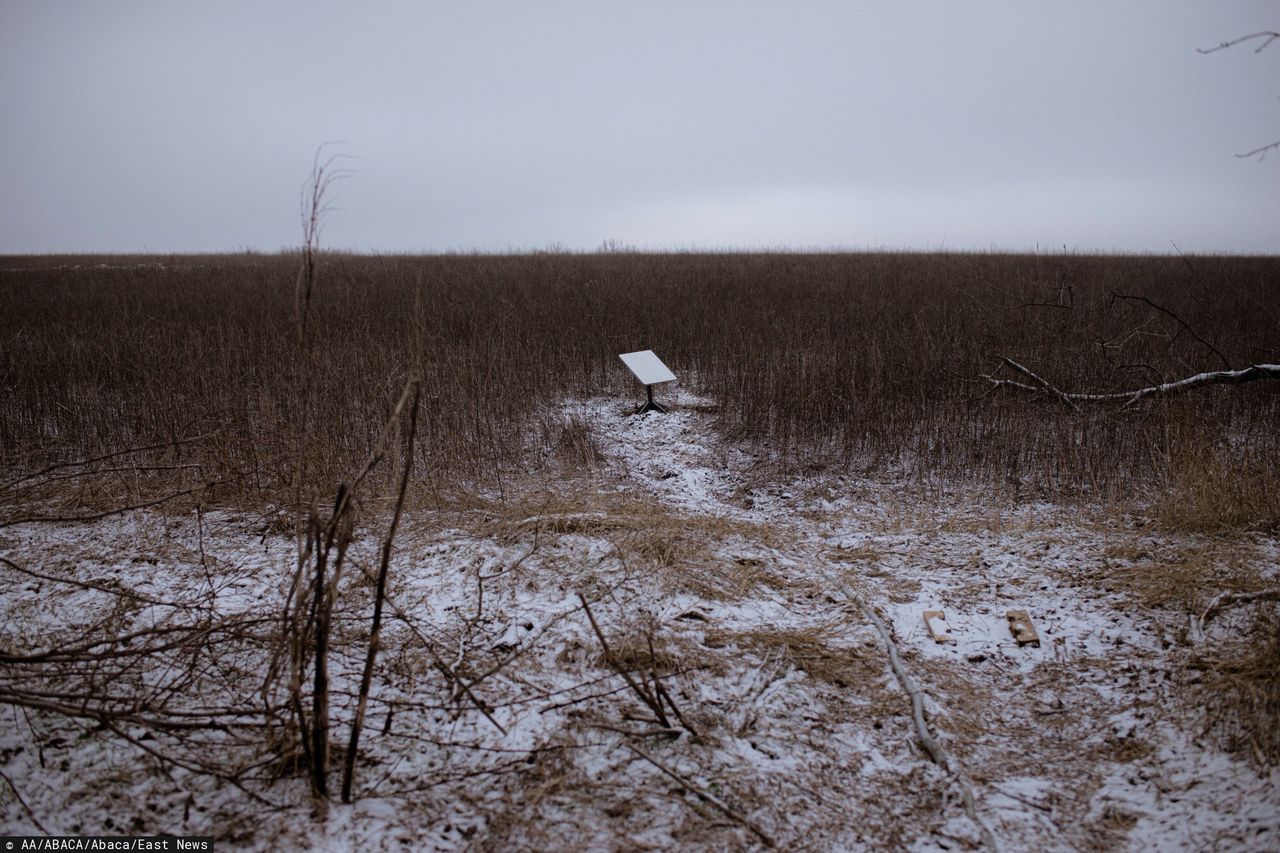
190, 126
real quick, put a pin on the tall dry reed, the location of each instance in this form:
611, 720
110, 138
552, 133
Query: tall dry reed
869, 362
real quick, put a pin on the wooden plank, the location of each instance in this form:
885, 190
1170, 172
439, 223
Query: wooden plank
1021, 628
936, 622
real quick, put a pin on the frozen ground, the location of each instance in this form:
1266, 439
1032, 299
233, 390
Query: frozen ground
751, 604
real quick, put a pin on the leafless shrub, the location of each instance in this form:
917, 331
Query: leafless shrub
170, 677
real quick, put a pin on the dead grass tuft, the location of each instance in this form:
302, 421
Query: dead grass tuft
809, 649
1241, 691
1235, 678
1210, 489
706, 555
577, 447
630, 650
1184, 579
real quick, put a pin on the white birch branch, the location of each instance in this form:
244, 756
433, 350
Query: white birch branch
1216, 377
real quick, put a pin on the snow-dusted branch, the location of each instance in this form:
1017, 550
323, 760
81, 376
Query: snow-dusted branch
1217, 377
924, 736
1231, 599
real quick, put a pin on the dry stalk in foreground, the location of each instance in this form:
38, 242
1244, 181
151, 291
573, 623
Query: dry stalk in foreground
707, 797
653, 697
308, 611
375, 633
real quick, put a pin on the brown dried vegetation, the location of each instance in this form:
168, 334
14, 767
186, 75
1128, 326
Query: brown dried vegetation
868, 362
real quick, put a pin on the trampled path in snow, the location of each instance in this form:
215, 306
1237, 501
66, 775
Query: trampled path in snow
750, 601
1071, 743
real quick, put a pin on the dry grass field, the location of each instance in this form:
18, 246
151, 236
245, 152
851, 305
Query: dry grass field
856, 362
699, 630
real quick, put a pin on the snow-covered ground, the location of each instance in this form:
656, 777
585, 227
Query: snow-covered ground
749, 602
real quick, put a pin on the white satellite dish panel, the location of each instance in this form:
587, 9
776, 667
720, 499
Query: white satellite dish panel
647, 367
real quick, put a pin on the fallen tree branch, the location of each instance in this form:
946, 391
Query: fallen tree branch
1251, 373
927, 741
1226, 600
1039, 380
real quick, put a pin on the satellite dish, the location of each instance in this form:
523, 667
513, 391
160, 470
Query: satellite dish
650, 370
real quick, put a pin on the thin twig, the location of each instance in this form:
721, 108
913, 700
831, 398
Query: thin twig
439, 664
106, 456
52, 519
1267, 35
1259, 152
707, 797
1177, 319
23, 803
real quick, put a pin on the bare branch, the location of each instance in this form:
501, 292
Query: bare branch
50, 519
60, 465
1220, 377
707, 797
1260, 153
375, 633
1267, 35
1179, 320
